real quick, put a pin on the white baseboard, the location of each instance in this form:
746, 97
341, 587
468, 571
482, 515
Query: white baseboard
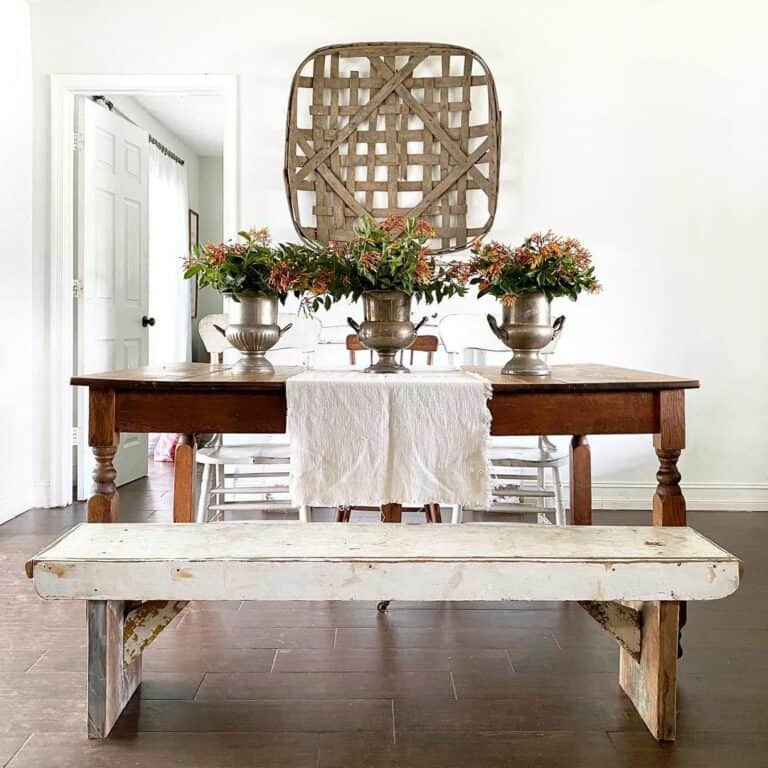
714, 497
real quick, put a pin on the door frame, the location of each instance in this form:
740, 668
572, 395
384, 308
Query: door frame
64, 90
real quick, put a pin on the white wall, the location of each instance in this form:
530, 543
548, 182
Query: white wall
641, 128
22, 343
211, 231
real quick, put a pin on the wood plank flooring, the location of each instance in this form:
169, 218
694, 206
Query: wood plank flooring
337, 685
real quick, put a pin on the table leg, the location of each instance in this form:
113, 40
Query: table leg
103, 505
580, 483
343, 513
391, 513
668, 500
184, 480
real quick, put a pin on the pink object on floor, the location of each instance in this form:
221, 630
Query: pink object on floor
165, 450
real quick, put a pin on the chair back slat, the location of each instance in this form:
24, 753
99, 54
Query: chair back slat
426, 343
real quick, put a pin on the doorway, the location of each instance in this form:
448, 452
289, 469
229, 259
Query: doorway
152, 169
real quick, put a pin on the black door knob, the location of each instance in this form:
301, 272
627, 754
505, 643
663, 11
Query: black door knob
145, 321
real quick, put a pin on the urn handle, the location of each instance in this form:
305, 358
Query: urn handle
284, 329
497, 332
354, 325
557, 326
419, 324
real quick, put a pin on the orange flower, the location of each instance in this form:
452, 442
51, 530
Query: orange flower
392, 224
508, 299
460, 271
370, 260
282, 278
423, 269
423, 227
494, 269
337, 246
321, 282
216, 254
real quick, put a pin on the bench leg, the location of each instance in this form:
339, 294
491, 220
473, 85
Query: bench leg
111, 682
651, 683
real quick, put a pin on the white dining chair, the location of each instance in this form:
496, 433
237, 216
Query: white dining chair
519, 473
254, 473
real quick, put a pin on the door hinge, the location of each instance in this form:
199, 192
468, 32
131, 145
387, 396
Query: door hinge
75, 435
77, 289
78, 141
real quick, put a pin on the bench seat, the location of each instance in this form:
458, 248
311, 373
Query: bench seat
284, 561
137, 577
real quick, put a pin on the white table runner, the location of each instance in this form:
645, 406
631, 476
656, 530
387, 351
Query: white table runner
370, 439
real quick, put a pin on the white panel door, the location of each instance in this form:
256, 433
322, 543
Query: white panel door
113, 268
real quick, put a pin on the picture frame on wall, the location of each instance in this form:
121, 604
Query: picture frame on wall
194, 239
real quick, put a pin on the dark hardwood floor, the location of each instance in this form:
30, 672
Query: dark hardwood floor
327, 685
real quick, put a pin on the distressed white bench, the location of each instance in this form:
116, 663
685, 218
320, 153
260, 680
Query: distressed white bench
137, 577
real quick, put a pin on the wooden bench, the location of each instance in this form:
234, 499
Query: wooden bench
137, 577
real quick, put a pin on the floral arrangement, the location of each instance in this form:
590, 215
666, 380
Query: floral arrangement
253, 267
545, 262
389, 255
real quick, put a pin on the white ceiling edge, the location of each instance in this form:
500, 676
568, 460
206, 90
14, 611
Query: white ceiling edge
197, 119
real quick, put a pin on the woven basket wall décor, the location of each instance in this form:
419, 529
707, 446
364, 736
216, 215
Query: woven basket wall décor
393, 129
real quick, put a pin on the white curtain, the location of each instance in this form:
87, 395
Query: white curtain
170, 340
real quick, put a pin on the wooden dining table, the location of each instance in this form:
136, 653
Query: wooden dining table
575, 400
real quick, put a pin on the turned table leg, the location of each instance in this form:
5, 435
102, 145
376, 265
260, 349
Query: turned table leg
184, 479
103, 505
580, 482
668, 500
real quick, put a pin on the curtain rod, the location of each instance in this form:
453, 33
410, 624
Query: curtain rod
104, 101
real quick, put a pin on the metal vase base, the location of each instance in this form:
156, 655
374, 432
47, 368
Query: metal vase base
253, 362
526, 362
387, 364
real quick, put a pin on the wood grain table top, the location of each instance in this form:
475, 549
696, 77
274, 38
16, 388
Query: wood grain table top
220, 376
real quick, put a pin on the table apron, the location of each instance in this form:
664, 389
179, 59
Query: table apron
575, 413
154, 411
565, 413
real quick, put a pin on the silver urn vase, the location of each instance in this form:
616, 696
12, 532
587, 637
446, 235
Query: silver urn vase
526, 328
386, 328
253, 329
